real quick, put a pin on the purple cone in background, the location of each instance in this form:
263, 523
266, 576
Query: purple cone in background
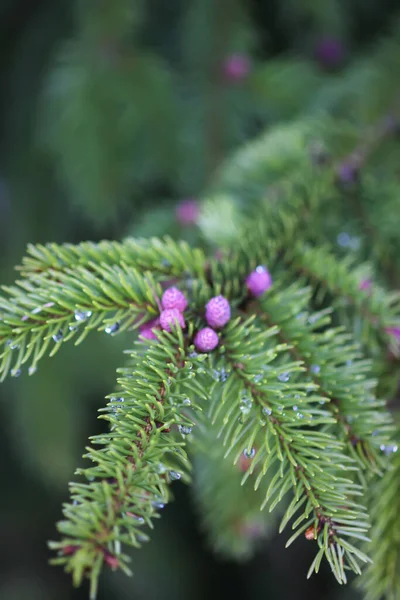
329, 52
236, 67
187, 211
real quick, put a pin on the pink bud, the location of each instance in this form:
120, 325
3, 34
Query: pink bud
206, 340
329, 52
365, 285
218, 312
394, 332
187, 212
172, 318
147, 329
236, 67
174, 298
259, 281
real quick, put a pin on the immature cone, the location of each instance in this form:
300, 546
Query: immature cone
259, 281
365, 285
206, 340
329, 52
187, 212
236, 67
218, 312
172, 318
174, 298
147, 329
394, 332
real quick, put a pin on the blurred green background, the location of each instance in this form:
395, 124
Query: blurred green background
111, 113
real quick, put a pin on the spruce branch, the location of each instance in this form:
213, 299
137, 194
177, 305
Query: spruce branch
165, 257
336, 368
140, 456
382, 578
37, 311
290, 420
340, 280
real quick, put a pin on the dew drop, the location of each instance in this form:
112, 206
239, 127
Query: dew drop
141, 537
260, 269
82, 315
193, 355
258, 378
185, 429
32, 369
267, 411
186, 402
161, 469
37, 310
57, 337
245, 405
16, 372
249, 454
138, 519
295, 408
389, 449
284, 377
315, 369
174, 475
157, 504
300, 415
112, 328
343, 239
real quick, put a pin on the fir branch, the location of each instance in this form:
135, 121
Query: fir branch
340, 280
128, 482
166, 257
39, 310
294, 442
336, 368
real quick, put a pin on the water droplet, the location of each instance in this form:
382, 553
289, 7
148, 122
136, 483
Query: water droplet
112, 328
16, 372
37, 310
267, 411
343, 239
82, 315
295, 408
138, 519
157, 504
186, 402
260, 269
249, 454
315, 369
389, 449
301, 315
32, 369
299, 415
257, 378
141, 537
161, 469
174, 475
57, 337
193, 355
73, 327
284, 377
185, 429
245, 404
